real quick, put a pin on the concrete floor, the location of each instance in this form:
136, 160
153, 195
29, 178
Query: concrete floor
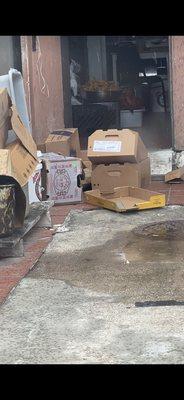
78, 303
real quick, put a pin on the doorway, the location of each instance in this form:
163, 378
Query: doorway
138, 67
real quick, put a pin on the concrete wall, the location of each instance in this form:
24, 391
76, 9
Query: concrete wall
177, 90
43, 79
6, 54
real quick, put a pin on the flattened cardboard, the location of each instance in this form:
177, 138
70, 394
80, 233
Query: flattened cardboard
23, 164
17, 163
22, 133
107, 177
177, 174
5, 104
21, 159
126, 198
116, 146
61, 176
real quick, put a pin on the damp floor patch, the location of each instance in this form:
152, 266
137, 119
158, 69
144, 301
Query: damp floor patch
159, 303
119, 254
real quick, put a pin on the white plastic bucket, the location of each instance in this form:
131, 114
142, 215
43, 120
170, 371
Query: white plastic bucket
13, 82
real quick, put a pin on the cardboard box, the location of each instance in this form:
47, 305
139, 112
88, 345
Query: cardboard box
116, 146
63, 141
175, 176
126, 198
74, 139
58, 144
5, 104
61, 179
107, 177
17, 163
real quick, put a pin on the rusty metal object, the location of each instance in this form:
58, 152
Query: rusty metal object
7, 209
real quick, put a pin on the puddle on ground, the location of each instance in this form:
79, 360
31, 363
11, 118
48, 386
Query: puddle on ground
146, 264
162, 241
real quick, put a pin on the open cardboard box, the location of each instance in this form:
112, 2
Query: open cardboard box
116, 146
63, 141
126, 198
106, 177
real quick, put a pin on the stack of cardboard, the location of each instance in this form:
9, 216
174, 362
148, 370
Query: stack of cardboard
119, 158
120, 171
62, 167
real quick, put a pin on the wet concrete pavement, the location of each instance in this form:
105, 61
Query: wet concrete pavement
78, 304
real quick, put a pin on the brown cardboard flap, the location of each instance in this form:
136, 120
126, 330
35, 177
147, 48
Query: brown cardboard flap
23, 164
22, 133
176, 174
5, 125
5, 104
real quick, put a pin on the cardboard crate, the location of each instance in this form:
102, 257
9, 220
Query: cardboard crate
62, 141
116, 146
107, 177
126, 198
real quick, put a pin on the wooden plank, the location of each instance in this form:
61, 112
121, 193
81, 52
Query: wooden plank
37, 210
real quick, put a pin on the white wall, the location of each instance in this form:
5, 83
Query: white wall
6, 54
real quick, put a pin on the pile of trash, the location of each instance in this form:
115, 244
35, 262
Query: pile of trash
120, 172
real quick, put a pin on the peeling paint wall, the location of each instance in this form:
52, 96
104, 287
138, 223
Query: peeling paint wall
177, 89
42, 74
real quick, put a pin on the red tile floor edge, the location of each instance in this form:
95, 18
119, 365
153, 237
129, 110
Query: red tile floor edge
12, 270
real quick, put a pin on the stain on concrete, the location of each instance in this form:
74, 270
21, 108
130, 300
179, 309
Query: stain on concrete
78, 303
126, 262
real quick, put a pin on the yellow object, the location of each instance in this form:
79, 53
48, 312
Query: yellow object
126, 198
